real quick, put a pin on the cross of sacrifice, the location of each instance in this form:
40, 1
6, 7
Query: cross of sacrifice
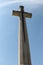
23, 43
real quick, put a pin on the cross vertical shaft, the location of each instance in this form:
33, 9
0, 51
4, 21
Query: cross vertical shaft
22, 19
23, 43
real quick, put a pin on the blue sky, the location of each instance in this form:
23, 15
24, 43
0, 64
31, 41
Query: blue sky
9, 31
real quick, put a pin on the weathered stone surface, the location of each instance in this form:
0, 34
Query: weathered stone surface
23, 42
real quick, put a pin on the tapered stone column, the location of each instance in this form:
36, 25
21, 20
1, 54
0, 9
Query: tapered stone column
23, 44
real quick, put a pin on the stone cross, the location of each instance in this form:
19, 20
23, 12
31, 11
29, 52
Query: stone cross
23, 43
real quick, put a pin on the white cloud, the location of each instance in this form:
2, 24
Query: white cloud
37, 1
3, 4
32, 1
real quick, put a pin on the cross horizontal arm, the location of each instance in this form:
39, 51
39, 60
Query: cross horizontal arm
28, 15
17, 13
